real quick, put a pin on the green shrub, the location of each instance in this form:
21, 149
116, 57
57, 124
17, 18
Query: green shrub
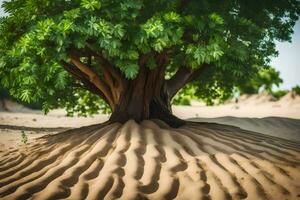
296, 89
24, 139
279, 93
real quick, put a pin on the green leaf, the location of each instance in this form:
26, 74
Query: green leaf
216, 18
172, 17
159, 44
26, 95
72, 14
61, 80
80, 43
5, 81
133, 55
29, 80
118, 31
91, 4
45, 108
217, 54
153, 28
2, 63
199, 55
131, 70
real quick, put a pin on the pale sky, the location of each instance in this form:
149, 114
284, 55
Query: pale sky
288, 61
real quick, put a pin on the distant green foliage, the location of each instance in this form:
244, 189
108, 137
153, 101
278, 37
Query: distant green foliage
296, 89
236, 37
184, 96
264, 80
84, 104
279, 93
184, 100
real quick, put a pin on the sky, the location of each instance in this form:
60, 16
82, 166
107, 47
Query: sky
288, 62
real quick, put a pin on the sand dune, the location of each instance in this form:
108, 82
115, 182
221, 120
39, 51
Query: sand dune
290, 100
274, 126
153, 161
256, 99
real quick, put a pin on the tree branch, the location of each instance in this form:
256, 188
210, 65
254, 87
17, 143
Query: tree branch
112, 75
83, 79
110, 82
113, 78
183, 76
198, 72
163, 60
93, 78
115, 73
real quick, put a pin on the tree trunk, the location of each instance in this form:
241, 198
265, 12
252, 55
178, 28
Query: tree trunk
156, 109
144, 98
148, 96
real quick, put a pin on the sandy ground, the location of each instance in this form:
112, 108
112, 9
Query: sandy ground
284, 123
257, 113
285, 128
256, 157
152, 161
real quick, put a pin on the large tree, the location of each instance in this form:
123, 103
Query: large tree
136, 55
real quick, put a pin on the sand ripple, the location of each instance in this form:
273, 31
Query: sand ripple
153, 161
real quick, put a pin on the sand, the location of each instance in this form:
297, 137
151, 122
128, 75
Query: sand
153, 161
253, 152
285, 128
248, 106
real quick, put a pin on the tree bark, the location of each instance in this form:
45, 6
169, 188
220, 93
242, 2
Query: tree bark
139, 105
148, 96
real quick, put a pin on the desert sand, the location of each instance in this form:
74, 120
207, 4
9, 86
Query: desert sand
153, 161
234, 156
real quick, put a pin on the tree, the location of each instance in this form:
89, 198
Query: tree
296, 89
136, 55
265, 79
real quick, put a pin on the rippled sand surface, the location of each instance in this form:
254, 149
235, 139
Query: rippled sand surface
152, 161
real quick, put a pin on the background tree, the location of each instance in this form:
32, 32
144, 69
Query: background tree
296, 89
136, 55
264, 80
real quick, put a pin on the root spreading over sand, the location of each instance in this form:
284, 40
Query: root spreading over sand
153, 161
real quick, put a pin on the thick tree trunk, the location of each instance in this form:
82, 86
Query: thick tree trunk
157, 111
146, 97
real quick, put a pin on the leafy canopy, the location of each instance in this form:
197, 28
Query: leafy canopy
235, 37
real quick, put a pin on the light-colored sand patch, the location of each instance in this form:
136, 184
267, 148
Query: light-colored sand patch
11, 136
254, 106
238, 110
274, 126
55, 119
153, 161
